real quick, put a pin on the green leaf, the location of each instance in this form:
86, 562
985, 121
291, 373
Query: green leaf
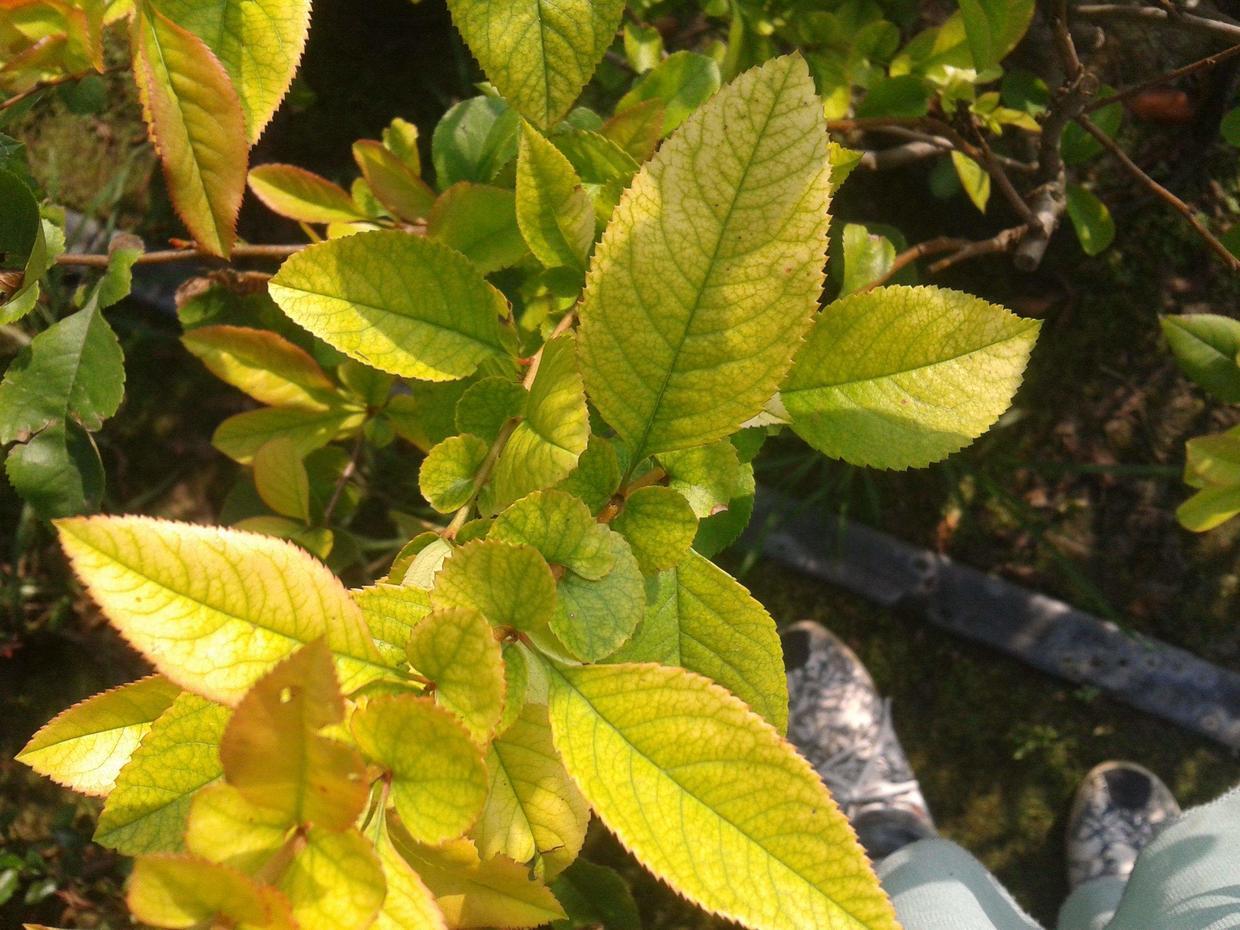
84, 747
534, 812
335, 882
487, 405
215, 609
904, 96
197, 125
409, 904
680, 83
538, 55
391, 612
472, 893
263, 364
402, 193
597, 475
900, 377
447, 477
595, 896
182, 892
19, 224
723, 527
693, 783
637, 129
241, 436
659, 525
994, 28
302, 195
1078, 146
604, 167
457, 651
545, 446
973, 178
553, 211
594, 618
49, 242
676, 348
701, 618
438, 778
1091, 219
1213, 460
58, 472
1207, 348
480, 222
474, 140
1229, 128
396, 302
509, 585
643, 46
281, 479
272, 751
561, 528
709, 477
224, 827
867, 257
1209, 507
147, 810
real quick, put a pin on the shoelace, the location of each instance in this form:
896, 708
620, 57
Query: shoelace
871, 788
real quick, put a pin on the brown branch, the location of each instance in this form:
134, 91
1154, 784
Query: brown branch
946, 145
910, 255
1001, 242
1153, 14
1158, 190
1200, 64
53, 82
185, 255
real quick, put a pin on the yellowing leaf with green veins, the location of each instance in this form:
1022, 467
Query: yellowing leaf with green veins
438, 777
561, 528
510, 585
594, 618
480, 222
409, 904
693, 783
197, 126
397, 302
259, 42
487, 405
391, 613
900, 377
224, 827
473, 893
272, 751
516, 685
659, 525
533, 808
281, 479
708, 476
84, 747
597, 475
553, 211
242, 435
181, 892
263, 364
546, 444
335, 882
214, 609
538, 55
638, 129
457, 650
302, 195
147, 809
402, 193
700, 618
680, 345
447, 478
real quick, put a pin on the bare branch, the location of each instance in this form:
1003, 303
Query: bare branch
1199, 65
920, 250
172, 256
1001, 242
1161, 192
1152, 14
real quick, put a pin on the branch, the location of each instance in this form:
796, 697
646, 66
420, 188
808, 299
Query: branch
53, 82
185, 255
1200, 64
1158, 190
1153, 14
1001, 242
920, 250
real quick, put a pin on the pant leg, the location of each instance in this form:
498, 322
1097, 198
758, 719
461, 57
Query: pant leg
1188, 878
1092, 906
936, 885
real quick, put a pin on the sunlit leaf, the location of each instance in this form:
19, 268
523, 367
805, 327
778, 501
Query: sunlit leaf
242, 435
334, 882
405, 195
302, 195
561, 528
510, 585
553, 211
447, 476
594, 618
281, 479
680, 84
659, 525
456, 649
480, 222
263, 364
1207, 347
224, 827
182, 892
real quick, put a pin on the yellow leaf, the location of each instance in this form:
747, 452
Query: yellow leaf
196, 124
214, 609
709, 798
438, 778
281, 479
224, 827
263, 364
302, 195
241, 436
457, 650
272, 751
509, 585
180, 892
404, 194
84, 747
409, 904
335, 882
391, 612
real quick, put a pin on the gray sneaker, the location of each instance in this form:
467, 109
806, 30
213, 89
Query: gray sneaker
840, 723
1118, 809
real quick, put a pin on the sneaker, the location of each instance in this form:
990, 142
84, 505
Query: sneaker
1118, 809
841, 724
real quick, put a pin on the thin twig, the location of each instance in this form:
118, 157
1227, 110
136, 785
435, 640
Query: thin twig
349, 470
1200, 64
1154, 187
944, 144
171, 256
1153, 14
920, 250
53, 82
1001, 242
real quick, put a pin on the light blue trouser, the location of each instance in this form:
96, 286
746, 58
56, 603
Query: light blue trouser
1186, 879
